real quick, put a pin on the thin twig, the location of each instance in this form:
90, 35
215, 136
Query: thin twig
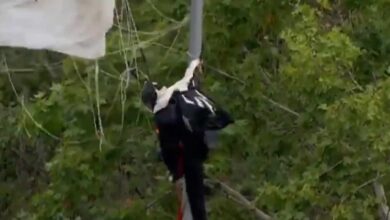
283, 107
331, 168
244, 201
223, 73
21, 101
366, 183
353, 79
151, 204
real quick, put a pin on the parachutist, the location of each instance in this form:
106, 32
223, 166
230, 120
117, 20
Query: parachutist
183, 116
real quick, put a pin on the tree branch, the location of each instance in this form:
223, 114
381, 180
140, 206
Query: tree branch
242, 200
285, 108
380, 195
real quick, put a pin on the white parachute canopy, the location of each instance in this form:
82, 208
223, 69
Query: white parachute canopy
72, 27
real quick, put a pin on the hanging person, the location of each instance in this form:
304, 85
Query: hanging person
184, 117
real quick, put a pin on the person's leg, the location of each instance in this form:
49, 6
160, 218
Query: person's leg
195, 152
169, 133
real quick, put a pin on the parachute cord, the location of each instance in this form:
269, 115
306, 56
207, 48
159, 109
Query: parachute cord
161, 13
124, 77
137, 42
90, 99
97, 96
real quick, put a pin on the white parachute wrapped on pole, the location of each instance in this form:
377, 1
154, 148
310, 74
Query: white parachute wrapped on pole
72, 27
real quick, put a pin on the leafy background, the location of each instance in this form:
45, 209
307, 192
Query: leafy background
306, 81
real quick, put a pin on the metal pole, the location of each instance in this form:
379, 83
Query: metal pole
196, 21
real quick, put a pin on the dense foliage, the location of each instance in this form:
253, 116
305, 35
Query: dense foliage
306, 81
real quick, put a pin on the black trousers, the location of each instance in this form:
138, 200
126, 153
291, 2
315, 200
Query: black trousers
182, 147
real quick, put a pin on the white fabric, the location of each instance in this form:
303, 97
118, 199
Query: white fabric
187, 214
73, 27
164, 94
185, 204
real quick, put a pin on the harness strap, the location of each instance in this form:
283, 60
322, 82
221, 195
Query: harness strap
180, 172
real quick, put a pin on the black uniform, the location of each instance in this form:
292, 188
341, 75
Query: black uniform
182, 125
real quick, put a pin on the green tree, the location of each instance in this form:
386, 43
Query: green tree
306, 81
